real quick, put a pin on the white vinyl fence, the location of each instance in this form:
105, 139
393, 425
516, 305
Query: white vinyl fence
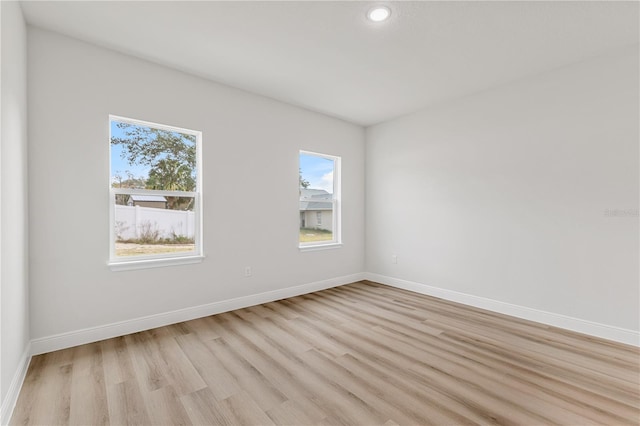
131, 221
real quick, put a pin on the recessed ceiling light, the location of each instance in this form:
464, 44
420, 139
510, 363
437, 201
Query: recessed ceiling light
379, 13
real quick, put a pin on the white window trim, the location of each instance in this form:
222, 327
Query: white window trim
116, 263
320, 246
337, 206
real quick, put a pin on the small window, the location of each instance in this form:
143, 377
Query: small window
319, 179
155, 195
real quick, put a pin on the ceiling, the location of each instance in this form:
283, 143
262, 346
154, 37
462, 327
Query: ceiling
327, 57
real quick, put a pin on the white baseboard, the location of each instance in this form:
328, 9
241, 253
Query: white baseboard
9, 402
94, 334
604, 331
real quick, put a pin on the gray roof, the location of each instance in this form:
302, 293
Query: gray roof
306, 193
314, 199
316, 205
152, 198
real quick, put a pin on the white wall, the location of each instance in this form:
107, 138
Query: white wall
503, 194
500, 195
14, 289
250, 155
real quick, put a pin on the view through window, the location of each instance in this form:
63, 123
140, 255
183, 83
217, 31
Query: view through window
155, 197
319, 196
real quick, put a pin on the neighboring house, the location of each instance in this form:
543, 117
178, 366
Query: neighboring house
154, 201
316, 209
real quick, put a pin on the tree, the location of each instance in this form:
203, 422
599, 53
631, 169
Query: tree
170, 175
303, 182
130, 182
170, 156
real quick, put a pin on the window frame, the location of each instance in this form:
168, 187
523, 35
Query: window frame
336, 241
121, 263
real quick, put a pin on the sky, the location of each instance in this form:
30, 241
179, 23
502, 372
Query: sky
318, 171
120, 165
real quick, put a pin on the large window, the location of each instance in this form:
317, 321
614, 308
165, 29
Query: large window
319, 200
154, 194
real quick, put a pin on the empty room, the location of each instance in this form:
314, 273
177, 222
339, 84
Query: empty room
319, 212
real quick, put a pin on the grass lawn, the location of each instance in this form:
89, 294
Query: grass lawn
308, 235
131, 249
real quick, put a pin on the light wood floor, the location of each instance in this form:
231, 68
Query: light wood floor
358, 354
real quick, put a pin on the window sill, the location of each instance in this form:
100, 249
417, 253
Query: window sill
317, 247
154, 263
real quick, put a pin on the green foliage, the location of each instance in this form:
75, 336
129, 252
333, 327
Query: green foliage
303, 182
171, 156
171, 175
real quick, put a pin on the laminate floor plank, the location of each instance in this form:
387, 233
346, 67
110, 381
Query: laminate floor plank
146, 361
478, 374
126, 404
88, 389
45, 393
527, 379
117, 360
388, 356
218, 380
292, 378
595, 382
165, 407
292, 413
250, 380
273, 359
184, 377
388, 352
309, 335
429, 402
204, 408
562, 358
246, 411
387, 405
550, 334
359, 354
